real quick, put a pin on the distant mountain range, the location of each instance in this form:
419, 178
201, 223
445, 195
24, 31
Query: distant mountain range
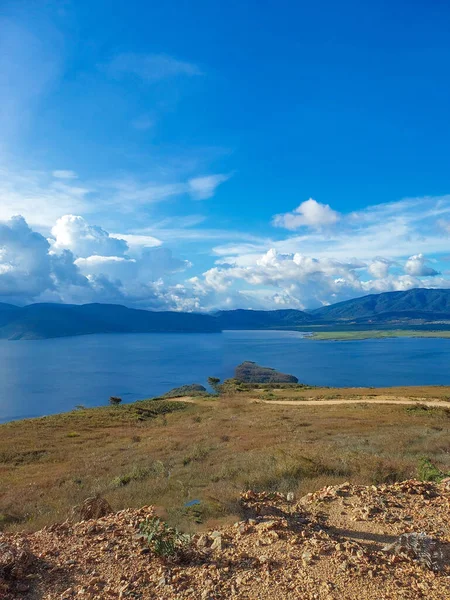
39, 321
418, 307
419, 303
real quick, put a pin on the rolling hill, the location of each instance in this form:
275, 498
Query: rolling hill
401, 309
39, 321
419, 303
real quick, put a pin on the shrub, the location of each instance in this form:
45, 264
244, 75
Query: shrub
193, 389
164, 540
115, 400
92, 508
121, 480
427, 471
214, 382
198, 454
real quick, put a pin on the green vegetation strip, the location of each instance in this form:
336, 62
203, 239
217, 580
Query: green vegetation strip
375, 334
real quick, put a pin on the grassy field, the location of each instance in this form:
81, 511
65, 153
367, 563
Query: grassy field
376, 333
170, 453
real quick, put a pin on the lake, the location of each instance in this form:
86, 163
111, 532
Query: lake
50, 376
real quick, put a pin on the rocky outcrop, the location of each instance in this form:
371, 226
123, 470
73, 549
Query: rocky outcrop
250, 372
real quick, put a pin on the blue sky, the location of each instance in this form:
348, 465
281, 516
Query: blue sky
207, 154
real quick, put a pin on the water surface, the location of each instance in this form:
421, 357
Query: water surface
49, 376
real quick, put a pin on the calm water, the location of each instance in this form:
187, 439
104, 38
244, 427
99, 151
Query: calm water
49, 376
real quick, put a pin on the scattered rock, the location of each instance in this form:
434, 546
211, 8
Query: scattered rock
217, 543
302, 550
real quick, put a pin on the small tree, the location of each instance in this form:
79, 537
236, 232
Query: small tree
115, 400
214, 382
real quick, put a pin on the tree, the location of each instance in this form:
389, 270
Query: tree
214, 382
115, 400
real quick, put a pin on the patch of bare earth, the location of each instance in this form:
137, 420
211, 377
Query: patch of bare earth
326, 546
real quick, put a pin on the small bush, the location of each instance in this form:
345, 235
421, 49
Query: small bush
121, 480
92, 508
198, 454
427, 471
165, 541
115, 400
139, 473
214, 382
8, 519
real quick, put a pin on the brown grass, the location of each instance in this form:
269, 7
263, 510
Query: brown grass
166, 454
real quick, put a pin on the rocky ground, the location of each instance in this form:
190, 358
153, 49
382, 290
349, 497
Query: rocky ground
343, 542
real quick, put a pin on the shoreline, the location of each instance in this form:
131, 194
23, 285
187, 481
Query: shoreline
340, 336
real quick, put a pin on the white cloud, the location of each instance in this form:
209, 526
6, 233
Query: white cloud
114, 267
83, 263
202, 188
39, 197
30, 271
309, 214
379, 268
63, 174
42, 198
393, 230
151, 68
72, 232
300, 281
25, 263
366, 252
136, 241
418, 266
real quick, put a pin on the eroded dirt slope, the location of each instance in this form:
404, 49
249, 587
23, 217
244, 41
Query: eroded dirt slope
341, 542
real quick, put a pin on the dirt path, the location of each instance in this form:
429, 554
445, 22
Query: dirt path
362, 400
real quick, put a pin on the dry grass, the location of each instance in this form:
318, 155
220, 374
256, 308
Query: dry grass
167, 453
435, 392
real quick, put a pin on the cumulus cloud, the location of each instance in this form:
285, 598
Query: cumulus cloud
25, 266
379, 268
113, 267
418, 266
74, 233
308, 214
296, 280
83, 263
291, 279
202, 188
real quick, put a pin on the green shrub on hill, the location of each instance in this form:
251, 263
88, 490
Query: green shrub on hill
192, 389
427, 471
